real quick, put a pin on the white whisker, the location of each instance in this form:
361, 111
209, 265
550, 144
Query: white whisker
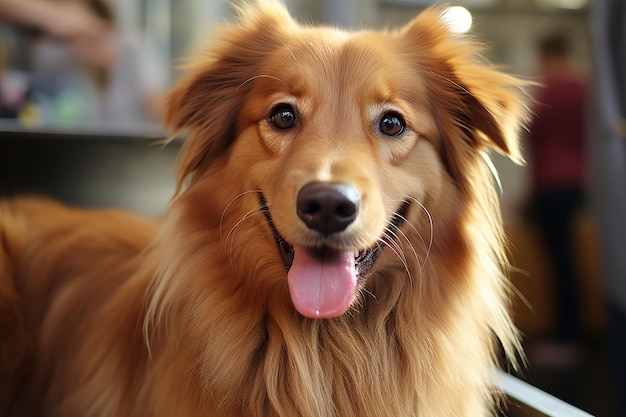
392, 243
233, 230
367, 291
400, 233
431, 229
224, 239
257, 77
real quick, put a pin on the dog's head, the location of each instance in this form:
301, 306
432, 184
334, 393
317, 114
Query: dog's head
344, 141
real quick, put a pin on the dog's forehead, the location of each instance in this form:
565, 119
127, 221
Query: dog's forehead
333, 61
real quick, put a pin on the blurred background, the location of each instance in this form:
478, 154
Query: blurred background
80, 123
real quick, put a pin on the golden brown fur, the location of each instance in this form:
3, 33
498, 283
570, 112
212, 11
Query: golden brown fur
105, 314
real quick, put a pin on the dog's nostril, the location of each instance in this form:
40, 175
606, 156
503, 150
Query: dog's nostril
328, 207
346, 209
310, 207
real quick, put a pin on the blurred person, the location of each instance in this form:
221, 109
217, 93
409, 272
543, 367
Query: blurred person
86, 33
125, 94
557, 153
65, 89
608, 175
87, 36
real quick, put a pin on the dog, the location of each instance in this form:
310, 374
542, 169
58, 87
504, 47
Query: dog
334, 246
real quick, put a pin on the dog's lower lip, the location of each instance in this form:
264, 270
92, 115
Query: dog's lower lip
365, 259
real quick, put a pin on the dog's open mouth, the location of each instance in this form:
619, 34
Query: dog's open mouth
323, 281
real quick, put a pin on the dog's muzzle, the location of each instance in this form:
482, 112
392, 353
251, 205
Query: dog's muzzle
323, 280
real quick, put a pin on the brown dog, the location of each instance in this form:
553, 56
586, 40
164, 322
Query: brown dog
334, 249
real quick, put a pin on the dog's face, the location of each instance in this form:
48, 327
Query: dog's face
347, 143
345, 137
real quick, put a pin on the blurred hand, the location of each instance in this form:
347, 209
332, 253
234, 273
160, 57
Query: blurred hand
88, 35
70, 22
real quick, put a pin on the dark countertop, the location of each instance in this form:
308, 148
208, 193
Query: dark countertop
125, 168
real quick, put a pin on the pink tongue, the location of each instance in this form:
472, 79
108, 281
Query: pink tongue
322, 283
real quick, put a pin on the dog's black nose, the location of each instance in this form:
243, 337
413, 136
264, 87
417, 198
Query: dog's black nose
328, 207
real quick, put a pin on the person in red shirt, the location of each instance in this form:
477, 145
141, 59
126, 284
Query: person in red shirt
557, 158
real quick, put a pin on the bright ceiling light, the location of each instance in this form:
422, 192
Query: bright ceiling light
458, 19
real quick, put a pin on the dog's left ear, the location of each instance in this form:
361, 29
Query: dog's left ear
206, 103
481, 104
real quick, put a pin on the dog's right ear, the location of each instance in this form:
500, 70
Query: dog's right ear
207, 102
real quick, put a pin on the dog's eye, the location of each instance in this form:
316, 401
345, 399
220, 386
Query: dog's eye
392, 124
283, 116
